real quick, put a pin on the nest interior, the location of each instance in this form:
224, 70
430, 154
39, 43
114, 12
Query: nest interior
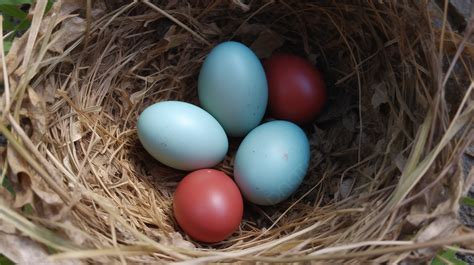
384, 153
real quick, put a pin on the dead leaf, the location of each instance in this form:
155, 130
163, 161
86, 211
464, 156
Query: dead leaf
23, 195
44, 192
76, 131
29, 181
240, 5
441, 226
23, 250
349, 121
346, 187
267, 42
379, 97
71, 29
252, 29
400, 161
6, 198
75, 234
69, 6
211, 29
177, 240
37, 113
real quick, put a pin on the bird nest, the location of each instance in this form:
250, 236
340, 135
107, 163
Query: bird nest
384, 180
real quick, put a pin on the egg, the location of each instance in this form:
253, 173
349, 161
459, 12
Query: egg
233, 88
182, 135
271, 162
208, 205
297, 91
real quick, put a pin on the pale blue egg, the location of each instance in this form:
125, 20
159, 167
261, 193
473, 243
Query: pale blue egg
271, 162
233, 87
182, 135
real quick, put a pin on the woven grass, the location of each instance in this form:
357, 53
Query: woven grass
384, 181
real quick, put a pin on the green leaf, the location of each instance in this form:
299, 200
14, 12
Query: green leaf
6, 183
15, 2
8, 25
5, 261
467, 201
12, 11
448, 255
24, 25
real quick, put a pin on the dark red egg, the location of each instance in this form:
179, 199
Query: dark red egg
208, 205
296, 89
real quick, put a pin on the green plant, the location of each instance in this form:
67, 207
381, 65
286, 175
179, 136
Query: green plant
15, 19
5, 261
467, 201
447, 257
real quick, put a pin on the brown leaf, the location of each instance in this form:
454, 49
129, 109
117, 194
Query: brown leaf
211, 29
71, 29
19, 176
177, 240
29, 182
69, 6
37, 113
76, 131
346, 187
267, 42
23, 195
44, 192
6, 198
379, 97
441, 226
400, 161
23, 250
241, 5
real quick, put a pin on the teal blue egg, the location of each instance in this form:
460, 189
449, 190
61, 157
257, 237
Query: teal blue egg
233, 88
182, 135
271, 162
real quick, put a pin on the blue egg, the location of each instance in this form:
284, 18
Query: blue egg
271, 162
182, 135
233, 87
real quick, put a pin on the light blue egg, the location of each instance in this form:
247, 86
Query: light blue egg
182, 135
233, 87
271, 162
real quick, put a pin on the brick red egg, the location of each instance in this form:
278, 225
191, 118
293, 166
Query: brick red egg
296, 89
208, 205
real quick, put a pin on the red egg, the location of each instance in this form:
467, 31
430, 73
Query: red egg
296, 89
208, 205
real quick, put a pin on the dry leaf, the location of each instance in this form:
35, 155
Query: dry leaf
379, 97
6, 198
16, 163
241, 5
350, 121
346, 187
177, 240
22, 250
69, 6
267, 42
44, 192
400, 161
71, 29
24, 195
251, 29
441, 226
37, 113
211, 29
29, 181
76, 131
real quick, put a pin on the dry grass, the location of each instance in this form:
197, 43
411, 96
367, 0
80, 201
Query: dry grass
385, 178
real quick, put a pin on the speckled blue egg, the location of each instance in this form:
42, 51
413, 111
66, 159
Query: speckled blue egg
271, 162
182, 135
233, 88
